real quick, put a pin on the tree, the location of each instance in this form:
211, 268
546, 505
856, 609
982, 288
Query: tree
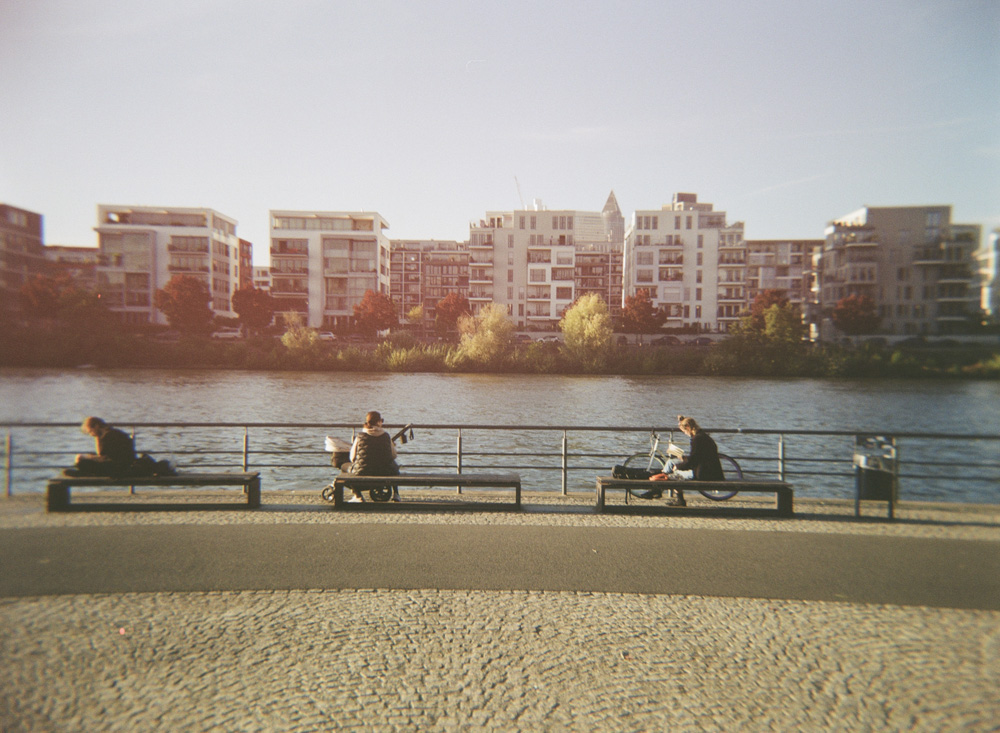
184, 301
488, 338
254, 307
639, 315
784, 323
761, 302
375, 312
587, 331
40, 296
58, 298
449, 309
415, 316
855, 315
299, 337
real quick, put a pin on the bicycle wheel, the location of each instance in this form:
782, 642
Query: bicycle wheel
731, 470
643, 461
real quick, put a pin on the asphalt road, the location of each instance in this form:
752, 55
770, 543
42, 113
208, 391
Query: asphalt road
831, 567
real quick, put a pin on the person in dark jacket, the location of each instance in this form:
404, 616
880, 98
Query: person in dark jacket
701, 463
373, 453
115, 450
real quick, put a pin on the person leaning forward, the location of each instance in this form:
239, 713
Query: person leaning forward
701, 463
115, 450
373, 453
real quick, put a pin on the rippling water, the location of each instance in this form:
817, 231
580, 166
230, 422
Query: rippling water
124, 397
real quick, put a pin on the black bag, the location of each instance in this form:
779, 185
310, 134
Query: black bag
146, 465
639, 474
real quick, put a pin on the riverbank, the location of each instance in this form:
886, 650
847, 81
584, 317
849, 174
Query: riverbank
951, 359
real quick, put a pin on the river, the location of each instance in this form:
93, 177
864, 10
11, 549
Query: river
872, 406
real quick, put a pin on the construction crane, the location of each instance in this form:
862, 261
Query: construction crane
518, 184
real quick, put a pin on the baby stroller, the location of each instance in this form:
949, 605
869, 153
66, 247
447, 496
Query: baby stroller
341, 460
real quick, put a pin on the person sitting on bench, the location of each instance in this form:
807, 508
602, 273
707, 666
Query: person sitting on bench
702, 462
115, 451
373, 454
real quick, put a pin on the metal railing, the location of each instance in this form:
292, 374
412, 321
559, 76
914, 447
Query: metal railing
932, 466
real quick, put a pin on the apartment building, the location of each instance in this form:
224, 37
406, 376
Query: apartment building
536, 262
322, 262
690, 261
781, 264
143, 247
21, 254
988, 259
916, 265
423, 272
262, 278
77, 263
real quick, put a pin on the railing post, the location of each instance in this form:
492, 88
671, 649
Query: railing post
246, 448
781, 456
131, 489
458, 456
9, 465
565, 463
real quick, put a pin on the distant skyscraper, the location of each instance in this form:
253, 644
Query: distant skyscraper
690, 261
143, 247
912, 261
322, 262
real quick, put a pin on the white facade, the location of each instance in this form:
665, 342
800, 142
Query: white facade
526, 260
143, 247
322, 262
690, 261
262, 278
989, 277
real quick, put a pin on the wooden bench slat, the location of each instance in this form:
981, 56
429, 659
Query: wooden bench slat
58, 488
474, 480
782, 490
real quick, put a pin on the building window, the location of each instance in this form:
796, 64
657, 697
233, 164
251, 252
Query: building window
697, 293
644, 258
521, 222
536, 276
564, 293
533, 223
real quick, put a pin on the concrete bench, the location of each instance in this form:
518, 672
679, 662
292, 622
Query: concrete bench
782, 490
58, 490
464, 480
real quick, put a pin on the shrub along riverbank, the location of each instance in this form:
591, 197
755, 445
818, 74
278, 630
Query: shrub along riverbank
734, 356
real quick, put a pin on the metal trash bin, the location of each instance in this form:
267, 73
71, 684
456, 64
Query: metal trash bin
876, 475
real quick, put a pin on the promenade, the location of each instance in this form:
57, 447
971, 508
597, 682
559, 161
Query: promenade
295, 617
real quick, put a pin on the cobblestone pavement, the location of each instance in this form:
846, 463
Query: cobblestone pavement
504, 660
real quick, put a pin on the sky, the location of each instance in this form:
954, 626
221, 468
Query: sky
785, 114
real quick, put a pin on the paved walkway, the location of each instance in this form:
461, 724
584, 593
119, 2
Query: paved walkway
549, 619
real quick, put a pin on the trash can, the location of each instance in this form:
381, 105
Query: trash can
341, 450
875, 472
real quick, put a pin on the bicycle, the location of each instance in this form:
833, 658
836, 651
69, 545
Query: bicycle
655, 462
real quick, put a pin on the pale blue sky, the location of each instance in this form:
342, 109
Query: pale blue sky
784, 113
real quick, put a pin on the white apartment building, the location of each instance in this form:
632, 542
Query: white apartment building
143, 247
690, 261
916, 265
322, 262
989, 277
262, 278
536, 262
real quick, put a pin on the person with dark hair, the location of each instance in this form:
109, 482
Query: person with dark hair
373, 454
115, 451
701, 463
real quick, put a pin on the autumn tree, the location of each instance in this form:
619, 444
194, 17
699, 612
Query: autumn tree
58, 298
298, 337
487, 338
587, 331
761, 302
856, 315
255, 308
184, 301
375, 312
449, 309
639, 315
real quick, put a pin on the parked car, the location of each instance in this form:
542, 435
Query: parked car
327, 336
702, 341
227, 333
666, 341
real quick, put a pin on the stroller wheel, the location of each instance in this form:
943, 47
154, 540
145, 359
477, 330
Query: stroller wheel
381, 493
327, 493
